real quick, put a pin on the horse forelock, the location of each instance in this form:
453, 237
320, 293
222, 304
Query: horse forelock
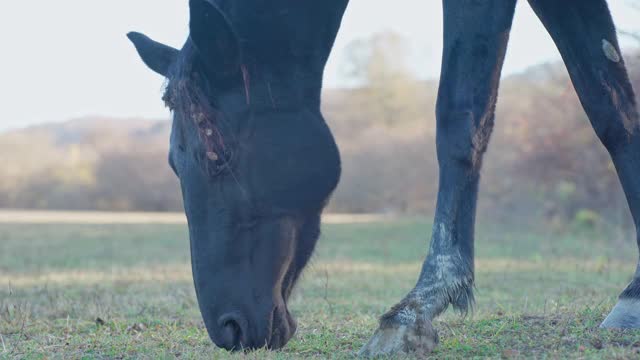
188, 95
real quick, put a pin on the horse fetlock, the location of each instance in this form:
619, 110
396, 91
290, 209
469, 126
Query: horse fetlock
435, 297
446, 278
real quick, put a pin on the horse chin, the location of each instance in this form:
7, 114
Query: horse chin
283, 328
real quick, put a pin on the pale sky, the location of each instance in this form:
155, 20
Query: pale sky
70, 58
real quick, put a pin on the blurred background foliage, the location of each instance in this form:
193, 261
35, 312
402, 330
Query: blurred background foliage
544, 163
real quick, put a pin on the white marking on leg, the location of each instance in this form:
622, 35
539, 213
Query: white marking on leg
610, 51
407, 315
446, 274
446, 260
443, 231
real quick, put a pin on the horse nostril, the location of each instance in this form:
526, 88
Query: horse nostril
232, 331
231, 335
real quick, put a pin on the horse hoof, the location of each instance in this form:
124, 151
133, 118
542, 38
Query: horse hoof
625, 315
391, 340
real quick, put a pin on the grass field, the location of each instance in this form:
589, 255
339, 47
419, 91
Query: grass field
125, 291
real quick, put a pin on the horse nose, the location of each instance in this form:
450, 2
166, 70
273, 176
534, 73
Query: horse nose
233, 329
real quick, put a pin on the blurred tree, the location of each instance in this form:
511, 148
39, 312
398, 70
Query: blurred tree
387, 89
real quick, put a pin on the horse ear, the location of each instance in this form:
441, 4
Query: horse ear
213, 36
158, 57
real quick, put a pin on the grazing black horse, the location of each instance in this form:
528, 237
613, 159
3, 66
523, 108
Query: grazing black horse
257, 162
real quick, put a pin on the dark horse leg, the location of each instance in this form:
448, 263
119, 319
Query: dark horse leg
585, 35
475, 40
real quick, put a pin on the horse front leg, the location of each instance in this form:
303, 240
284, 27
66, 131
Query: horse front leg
475, 40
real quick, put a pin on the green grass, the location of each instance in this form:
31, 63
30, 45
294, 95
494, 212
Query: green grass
539, 295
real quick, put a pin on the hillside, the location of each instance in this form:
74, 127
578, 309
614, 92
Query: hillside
90, 163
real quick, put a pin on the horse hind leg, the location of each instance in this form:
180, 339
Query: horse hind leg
475, 41
585, 35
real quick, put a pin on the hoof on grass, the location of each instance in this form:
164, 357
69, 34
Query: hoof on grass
390, 340
625, 315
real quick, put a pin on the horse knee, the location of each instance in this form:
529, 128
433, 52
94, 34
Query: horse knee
463, 136
616, 126
609, 101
